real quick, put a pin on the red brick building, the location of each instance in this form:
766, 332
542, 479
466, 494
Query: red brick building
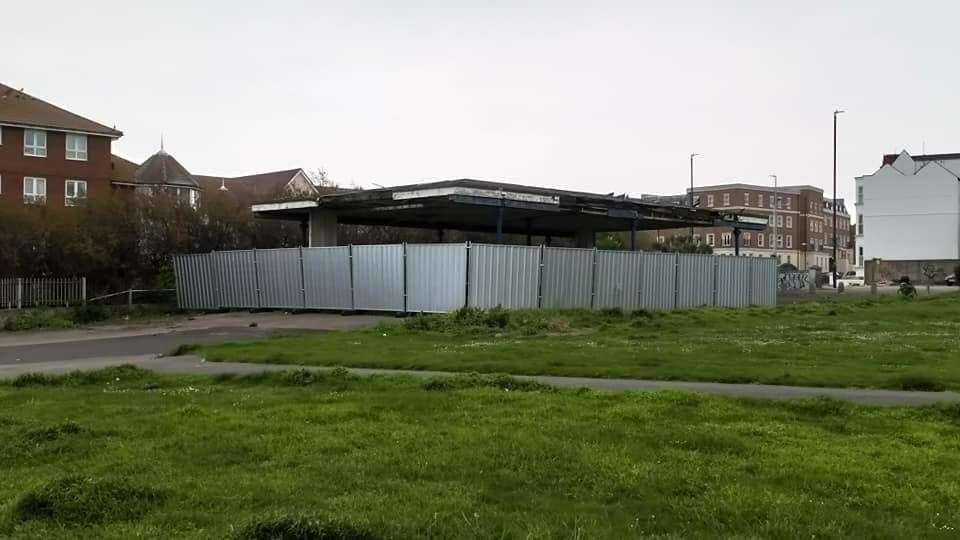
801, 233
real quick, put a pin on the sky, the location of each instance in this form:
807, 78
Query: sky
597, 96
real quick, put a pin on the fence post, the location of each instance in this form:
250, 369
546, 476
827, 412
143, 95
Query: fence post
353, 300
750, 283
593, 281
303, 280
130, 298
83, 290
676, 280
403, 264
466, 279
256, 278
19, 293
540, 280
716, 279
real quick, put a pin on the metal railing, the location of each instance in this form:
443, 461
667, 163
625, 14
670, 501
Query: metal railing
129, 293
18, 293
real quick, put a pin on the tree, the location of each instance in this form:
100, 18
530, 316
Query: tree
683, 244
930, 272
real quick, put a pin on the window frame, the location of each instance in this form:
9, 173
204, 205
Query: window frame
35, 149
34, 197
788, 220
726, 239
710, 200
75, 200
726, 199
711, 239
76, 151
760, 240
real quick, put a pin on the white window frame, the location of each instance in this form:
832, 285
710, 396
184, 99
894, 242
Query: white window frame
760, 240
789, 222
726, 199
788, 203
709, 200
779, 240
35, 196
789, 241
746, 198
726, 239
34, 149
710, 239
771, 201
75, 199
859, 194
860, 224
746, 239
779, 220
76, 153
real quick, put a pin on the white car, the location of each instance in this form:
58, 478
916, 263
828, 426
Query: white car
852, 278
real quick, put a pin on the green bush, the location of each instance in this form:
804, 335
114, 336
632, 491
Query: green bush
302, 528
78, 500
89, 313
38, 318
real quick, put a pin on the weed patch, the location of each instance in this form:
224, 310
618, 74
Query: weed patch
476, 380
920, 383
118, 374
77, 500
303, 528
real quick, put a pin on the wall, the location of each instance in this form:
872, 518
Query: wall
891, 270
910, 217
56, 168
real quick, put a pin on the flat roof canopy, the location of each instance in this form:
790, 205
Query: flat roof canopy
476, 205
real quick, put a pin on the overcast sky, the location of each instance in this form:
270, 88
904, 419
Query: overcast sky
599, 96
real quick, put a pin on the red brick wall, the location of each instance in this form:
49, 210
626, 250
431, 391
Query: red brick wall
56, 168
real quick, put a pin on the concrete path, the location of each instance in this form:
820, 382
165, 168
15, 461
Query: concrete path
164, 337
197, 366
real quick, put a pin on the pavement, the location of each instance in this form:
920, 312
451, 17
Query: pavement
149, 346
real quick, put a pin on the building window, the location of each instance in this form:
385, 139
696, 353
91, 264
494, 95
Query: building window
859, 224
74, 192
789, 222
746, 239
696, 239
76, 147
788, 203
789, 240
780, 220
696, 200
779, 240
779, 202
771, 201
760, 240
861, 256
770, 219
772, 243
725, 238
34, 190
746, 199
710, 239
726, 199
859, 194
34, 143
710, 202
661, 240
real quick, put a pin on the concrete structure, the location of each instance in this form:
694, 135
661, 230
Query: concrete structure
801, 234
908, 214
480, 206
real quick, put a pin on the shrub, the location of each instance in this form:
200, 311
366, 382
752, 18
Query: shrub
77, 500
89, 313
920, 383
38, 318
303, 528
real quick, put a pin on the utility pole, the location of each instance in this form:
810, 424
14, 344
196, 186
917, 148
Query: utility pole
833, 270
776, 202
691, 190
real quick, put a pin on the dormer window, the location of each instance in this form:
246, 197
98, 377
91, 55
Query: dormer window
76, 147
34, 143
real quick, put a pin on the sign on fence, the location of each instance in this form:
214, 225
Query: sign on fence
446, 277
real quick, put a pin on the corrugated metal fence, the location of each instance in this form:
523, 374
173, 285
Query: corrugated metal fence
31, 292
446, 277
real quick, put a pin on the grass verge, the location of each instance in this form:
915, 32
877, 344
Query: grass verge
881, 343
281, 455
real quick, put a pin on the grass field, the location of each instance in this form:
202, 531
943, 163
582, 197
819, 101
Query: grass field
124, 453
883, 343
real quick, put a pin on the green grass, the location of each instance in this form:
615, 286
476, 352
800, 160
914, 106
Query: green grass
124, 453
77, 316
882, 343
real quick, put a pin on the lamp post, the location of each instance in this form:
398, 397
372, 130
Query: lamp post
833, 270
691, 190
775, 204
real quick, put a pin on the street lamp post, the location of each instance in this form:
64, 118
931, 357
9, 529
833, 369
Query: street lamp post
776, 200
836, 113
691, 190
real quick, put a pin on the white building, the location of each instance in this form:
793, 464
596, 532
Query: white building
909, 210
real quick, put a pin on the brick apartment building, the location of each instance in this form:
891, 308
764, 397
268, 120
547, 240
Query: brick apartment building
803, 224
53, 157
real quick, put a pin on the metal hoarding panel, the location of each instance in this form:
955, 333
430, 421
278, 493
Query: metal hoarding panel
378, 277
695, 274
326, 278
763, 278
436, 277
507, 276
237, 272
733, 281
279, 278
617, 280
567, 278
658, 290
197, 281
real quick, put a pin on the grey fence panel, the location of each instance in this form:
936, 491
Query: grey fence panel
507, 276
618, 280
763, 281
198, 284
378, 277
695, 275
279, 278
237, 272
567, 278
436, 277
659, 281
326, 278
733, 281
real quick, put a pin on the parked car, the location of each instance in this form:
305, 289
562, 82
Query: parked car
951, 280
852, 278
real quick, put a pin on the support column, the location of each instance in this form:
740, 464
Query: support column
305, 232
633, 235
736, 241
440, 236
585, 239
529, 232
500, 224
323, 228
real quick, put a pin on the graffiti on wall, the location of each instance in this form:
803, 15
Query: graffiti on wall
795, 281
